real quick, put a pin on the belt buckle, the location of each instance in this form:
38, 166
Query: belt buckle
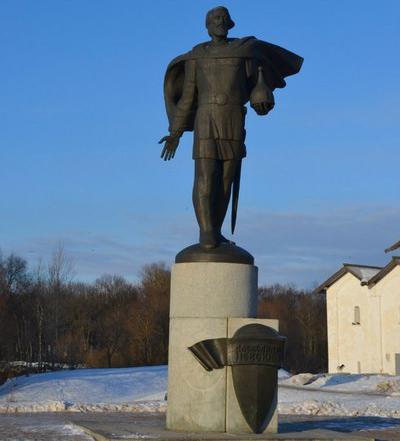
221, 99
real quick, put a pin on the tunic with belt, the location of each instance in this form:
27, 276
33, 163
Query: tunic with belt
205, 90
221, 88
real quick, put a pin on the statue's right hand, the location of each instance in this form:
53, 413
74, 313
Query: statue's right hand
169, 149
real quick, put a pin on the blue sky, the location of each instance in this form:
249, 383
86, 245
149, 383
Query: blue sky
82, 110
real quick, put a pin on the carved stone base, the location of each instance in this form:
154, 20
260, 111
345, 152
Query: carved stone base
208, 300
201, 401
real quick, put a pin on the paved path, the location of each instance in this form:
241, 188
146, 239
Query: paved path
65, 426
40, 427
387, 429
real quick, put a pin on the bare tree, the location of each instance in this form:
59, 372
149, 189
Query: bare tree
60, 273
61, 267
302, 319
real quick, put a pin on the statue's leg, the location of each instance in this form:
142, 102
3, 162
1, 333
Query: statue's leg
205, 194
229, 169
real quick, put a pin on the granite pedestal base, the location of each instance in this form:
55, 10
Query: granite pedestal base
208, 300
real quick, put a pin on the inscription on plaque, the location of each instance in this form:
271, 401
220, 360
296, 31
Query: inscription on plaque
241, 351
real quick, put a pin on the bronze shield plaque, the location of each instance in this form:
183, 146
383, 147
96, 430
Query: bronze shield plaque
255, 353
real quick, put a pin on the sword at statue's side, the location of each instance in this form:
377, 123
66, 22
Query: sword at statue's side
262, 100
235, 196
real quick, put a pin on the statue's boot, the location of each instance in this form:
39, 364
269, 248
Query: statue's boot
223, 239
209, 239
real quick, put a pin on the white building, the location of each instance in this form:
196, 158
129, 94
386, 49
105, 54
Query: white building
363, 316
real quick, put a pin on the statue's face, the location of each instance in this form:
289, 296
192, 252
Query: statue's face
218, 23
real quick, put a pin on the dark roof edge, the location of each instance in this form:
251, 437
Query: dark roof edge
393, 247
344, 270
363, 266
329, 282
385, 270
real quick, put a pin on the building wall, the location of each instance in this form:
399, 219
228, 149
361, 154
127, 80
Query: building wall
347, 341
372, 345
388, 289
332, 327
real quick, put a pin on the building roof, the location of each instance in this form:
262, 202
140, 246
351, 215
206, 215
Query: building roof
386, 270
393, 247
363, 272
368, 275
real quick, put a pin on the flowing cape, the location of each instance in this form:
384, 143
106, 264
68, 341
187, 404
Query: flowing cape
276, 61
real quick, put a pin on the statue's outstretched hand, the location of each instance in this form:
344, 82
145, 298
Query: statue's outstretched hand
170, 146
262, 108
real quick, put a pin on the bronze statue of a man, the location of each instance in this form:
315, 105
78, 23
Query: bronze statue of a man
206, 90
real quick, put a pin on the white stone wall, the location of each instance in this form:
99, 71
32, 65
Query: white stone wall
389, 291
372, 345
349, 342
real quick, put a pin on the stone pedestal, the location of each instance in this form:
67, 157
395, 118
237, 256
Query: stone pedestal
208, 300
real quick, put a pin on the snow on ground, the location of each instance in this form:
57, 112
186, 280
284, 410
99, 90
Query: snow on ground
340, 395
283, 375
319, 402
130, 389
347, 382
143, 389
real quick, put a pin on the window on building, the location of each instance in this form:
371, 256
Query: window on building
356, 315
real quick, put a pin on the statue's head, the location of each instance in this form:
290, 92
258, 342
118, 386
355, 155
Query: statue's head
218, 22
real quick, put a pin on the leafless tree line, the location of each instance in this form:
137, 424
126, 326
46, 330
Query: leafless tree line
302, 319
47, 319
